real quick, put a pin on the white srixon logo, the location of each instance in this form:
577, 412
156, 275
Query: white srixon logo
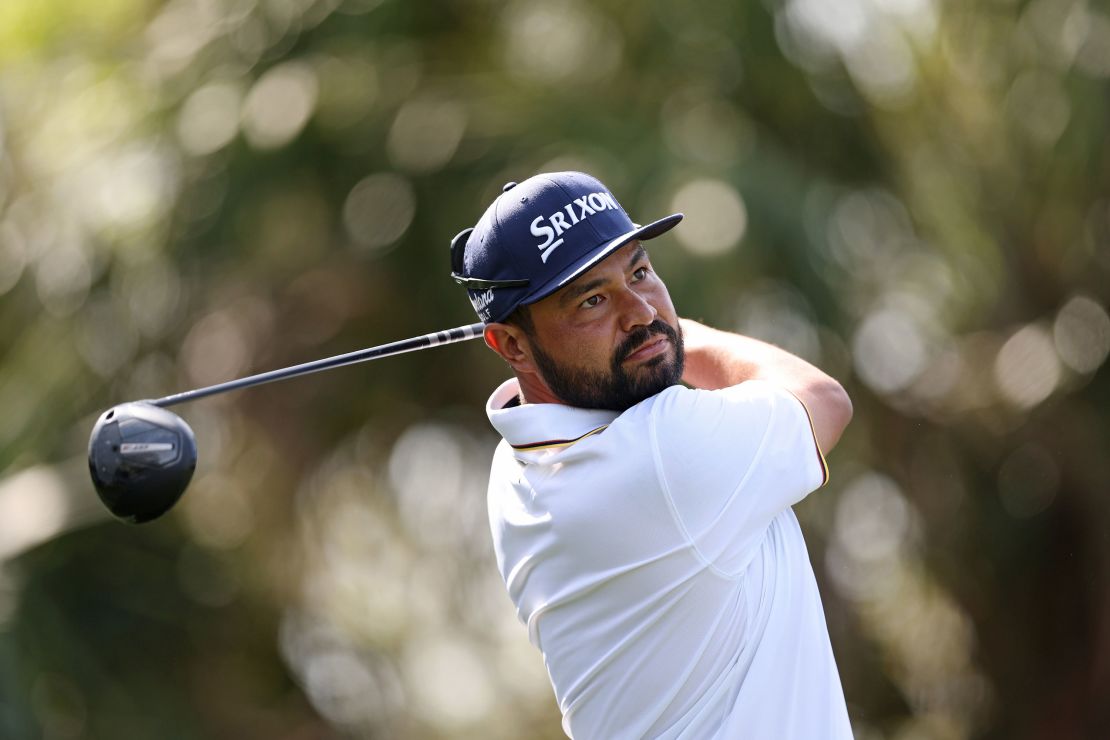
549, 228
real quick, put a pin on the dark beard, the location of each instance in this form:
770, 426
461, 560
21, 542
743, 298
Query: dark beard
618, 389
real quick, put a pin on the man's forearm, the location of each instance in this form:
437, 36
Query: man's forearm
718, 359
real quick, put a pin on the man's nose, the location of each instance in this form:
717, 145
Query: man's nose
636, 311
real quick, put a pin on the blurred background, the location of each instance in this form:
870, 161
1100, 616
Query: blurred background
913, 194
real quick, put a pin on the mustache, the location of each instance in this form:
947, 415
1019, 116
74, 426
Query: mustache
640, 335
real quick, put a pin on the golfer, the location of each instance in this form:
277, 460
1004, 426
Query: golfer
640, 499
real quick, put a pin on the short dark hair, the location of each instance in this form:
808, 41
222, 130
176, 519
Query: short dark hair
522, 317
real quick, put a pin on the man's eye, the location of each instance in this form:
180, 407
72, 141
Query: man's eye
640, 274
591, 301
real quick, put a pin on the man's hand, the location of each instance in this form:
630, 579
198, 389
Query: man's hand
717, 359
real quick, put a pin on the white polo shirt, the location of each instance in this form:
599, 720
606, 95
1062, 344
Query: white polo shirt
655, 559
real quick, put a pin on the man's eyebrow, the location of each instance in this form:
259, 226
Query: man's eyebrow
638, 255
573, 292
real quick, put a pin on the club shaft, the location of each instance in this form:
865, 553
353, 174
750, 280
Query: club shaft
458, 334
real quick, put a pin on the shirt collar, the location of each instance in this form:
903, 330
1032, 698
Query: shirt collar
537, 425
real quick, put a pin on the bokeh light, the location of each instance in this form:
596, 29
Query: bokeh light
707, 130
216, 349
33, 508
1027, 369
560, 41
889, 350
209, 118
279, 105
449, 682
716, 217
425, 134
1082, 334
378, 210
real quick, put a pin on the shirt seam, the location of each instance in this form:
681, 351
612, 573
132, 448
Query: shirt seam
665, 488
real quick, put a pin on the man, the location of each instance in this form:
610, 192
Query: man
643, 528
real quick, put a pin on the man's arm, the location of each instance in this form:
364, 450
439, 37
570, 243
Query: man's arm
717, 359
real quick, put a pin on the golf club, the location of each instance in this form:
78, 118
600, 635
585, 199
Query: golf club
141, 456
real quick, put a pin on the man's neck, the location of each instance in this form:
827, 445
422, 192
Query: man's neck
534, 390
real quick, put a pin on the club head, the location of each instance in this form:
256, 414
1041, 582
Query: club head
141, 458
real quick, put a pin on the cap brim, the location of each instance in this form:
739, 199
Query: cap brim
652, 230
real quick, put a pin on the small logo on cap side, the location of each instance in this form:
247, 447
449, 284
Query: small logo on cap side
481, 304
579, 209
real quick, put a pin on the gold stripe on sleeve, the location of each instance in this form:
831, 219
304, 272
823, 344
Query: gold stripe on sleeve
813, 433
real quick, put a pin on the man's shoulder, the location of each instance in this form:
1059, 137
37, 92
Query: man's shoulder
689, 425
682, 403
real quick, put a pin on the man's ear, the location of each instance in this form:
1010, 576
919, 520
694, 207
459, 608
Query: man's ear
512, 344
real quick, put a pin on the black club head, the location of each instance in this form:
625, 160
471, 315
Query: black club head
141, 458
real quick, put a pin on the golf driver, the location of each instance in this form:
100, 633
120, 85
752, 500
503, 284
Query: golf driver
142, 456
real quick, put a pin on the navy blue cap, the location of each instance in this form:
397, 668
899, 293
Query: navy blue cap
538, 236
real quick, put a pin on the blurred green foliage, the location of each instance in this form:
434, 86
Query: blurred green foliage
911, 193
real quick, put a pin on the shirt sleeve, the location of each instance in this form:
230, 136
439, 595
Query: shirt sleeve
729, 461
